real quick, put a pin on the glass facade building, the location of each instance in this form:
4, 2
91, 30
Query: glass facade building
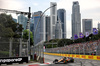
22, 20
32, 28
87, 26
99, 26
76, 19
53, 19
58, 30
47, 28
39, 35
61, 14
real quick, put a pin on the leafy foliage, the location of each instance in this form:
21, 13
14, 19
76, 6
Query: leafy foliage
8, 27
63, 42
26, 35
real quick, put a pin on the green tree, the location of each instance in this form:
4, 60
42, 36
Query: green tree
54, 40
9, 26
6, 32
63, 42
9, 32
26, 36
49, 46
98, 35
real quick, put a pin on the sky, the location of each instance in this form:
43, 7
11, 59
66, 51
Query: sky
89, 9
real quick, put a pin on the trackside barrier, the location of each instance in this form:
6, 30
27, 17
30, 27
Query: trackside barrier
92, 57
86, 48
38, 50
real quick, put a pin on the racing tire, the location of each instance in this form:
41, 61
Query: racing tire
72, 61
65, 62
55, 61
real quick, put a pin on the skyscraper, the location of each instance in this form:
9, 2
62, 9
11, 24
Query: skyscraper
15, 20
61, 14
47, 27
22, 20
32, 27
58, 30
99, 26
76, 19
39, 35
87, 26
53, 19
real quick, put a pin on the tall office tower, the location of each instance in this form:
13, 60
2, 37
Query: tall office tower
87, 26
99, 26
39, 34
22, 20
61, 14
15, 20
32, 28
58, 30
47, 27
76, 19
32, 25
53, 19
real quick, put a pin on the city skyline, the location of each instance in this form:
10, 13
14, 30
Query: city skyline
76, 19
98, 25
22, 20
53, 19
47, 28
58, 30
88, 11
61, 15
39, 35
87, 26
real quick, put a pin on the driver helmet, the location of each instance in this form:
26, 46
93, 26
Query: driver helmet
64, 57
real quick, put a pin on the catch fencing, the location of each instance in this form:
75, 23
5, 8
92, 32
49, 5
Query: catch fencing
86, 48
39, 51
13, 47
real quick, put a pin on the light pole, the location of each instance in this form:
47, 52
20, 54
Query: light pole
29, 16
40, 18
37, 26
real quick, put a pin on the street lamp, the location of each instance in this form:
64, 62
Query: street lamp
37, 26
40, 18
29, 16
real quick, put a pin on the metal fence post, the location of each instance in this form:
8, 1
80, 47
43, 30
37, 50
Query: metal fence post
96, 48
71, 50
20, 48
10, 48
38, 50
75, 50
79, 49
89, 50
83, 50
27, 48
43, 52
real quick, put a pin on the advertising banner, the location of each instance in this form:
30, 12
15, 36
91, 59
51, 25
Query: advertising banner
11, 60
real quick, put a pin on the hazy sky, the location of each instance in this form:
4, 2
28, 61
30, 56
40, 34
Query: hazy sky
89, 9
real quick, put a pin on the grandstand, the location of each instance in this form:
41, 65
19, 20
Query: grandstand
86, 48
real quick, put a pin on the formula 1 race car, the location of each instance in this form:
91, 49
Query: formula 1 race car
63, 60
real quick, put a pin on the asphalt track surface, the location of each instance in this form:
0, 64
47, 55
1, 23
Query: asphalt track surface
78, 62
49, 59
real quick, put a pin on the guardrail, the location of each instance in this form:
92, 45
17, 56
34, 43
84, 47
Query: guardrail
92, 57
39, 52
